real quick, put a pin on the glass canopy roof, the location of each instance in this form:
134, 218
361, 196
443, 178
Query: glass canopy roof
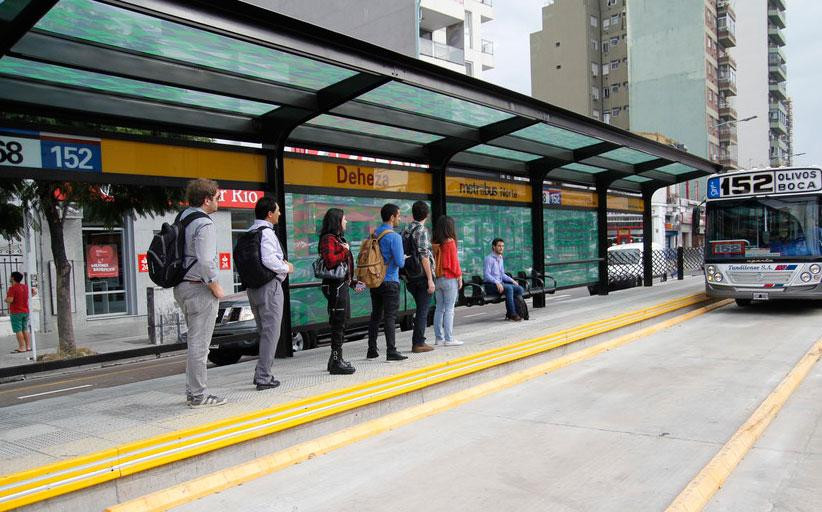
247, 72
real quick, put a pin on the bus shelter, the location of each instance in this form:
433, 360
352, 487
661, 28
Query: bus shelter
229, 70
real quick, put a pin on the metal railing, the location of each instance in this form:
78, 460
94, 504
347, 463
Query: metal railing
625, 268
442, 51
11, 259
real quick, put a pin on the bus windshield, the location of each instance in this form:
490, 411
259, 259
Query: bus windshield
773, 228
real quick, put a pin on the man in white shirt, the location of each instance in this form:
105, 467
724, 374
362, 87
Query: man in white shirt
267, 300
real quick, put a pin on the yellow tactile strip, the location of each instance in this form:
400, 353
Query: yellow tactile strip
60, 478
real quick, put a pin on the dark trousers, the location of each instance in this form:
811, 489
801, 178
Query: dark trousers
419, 290
339, 309
385, 302
509, 290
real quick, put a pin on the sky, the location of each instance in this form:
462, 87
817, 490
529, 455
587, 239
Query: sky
516, 19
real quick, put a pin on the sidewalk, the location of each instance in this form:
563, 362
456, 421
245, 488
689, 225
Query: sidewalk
46, 431
100, 336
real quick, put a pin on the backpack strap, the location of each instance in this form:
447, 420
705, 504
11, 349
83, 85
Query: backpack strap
384, 233
190, 218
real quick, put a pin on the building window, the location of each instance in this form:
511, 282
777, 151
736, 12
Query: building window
605, 46
614, 41
469, 68
615, 88
614, 64
595, 69
606, 23
606, 118
612, 2
595, 114
469, 30
594, 44
615, 19
105, 269
595, 93
594, 21
605, 69
605, 92
615, 111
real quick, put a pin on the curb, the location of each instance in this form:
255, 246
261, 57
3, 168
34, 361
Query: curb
242, 473
701, 489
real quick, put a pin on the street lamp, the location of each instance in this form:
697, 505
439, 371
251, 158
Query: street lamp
729, 121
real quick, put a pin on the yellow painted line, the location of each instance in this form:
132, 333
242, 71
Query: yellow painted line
65, 476
242, 473
702, 488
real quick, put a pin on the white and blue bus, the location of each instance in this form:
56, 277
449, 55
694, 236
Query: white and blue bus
763, 235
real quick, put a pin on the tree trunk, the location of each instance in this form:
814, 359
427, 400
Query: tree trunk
52, 211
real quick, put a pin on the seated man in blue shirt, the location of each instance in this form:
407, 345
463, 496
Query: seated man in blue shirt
385, 299
496, 281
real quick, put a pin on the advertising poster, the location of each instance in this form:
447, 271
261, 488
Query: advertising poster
102, 261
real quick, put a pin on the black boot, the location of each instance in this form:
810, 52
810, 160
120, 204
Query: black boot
338, 366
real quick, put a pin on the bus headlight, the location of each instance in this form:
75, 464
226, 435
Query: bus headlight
805, 277
710, 278
711, 269
718, 277
815, 268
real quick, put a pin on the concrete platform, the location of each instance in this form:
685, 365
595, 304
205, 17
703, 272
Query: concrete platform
59, 428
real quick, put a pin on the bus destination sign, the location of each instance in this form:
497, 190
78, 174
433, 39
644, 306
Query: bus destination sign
777, 181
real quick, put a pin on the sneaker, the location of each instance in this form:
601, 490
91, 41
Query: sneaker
189, 399
424, 347
452, 343
372, 353
270, 385
515, 318
207, 401
395, 356
439, 342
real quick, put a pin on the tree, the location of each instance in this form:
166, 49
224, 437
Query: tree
106, 203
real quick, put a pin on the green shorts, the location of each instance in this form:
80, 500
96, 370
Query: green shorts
19, 322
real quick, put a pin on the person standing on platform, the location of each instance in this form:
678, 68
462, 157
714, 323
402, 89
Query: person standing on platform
421, 287
335, 251
449, 280
199, 294
385, 299
18, 300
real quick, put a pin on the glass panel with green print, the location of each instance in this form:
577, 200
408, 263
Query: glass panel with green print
571, 235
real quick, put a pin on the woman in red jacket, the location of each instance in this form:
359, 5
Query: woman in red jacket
449, 280
335, 251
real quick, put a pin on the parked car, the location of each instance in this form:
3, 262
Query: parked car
625, 266
235, 332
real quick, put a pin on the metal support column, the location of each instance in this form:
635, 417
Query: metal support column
538, 230
275, 183
647, 238
438, 198
602, 236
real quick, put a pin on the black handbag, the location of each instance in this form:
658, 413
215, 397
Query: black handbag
338, 273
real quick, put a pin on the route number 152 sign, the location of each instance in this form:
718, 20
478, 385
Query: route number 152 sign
45, 151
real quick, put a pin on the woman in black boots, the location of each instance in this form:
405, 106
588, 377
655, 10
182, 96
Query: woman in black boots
334, 252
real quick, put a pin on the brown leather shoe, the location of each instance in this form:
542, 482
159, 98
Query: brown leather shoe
515, 318
421, 348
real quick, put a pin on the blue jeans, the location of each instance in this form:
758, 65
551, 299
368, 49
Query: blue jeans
509, 290
445, 293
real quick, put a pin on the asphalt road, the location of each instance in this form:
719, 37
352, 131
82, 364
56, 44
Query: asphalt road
626, 430
80, 380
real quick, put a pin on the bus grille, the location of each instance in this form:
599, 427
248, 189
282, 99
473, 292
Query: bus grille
760, 277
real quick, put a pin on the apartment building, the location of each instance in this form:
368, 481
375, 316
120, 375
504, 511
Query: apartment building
447, 33
778, 107
583, 70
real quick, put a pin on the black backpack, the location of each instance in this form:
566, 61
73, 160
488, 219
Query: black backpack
166, 253
248, 259
413, 264
522, 307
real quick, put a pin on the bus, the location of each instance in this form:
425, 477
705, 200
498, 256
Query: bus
763, 235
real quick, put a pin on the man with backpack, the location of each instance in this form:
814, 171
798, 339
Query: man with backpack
419, 272
199, 292
260, 261
385, 298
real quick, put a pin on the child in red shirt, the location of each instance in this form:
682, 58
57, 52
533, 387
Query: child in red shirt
18, 300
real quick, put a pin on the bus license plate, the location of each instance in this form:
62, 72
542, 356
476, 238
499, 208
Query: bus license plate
760, 296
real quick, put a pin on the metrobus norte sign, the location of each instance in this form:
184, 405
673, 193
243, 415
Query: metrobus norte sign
776, 181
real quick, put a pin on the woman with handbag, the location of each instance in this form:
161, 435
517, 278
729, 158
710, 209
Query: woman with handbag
449, 280
335, 267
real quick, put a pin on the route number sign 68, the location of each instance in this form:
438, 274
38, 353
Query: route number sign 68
47, 153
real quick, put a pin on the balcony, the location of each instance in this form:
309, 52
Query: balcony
727, 134
727, 112
777, 71
777, 123
726, 60
442, 51
776, 51
437, 15
776, 17
727, 86
727, 35
487, 47
726, 160
724, 7
776, 4
778, 90
776, 36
